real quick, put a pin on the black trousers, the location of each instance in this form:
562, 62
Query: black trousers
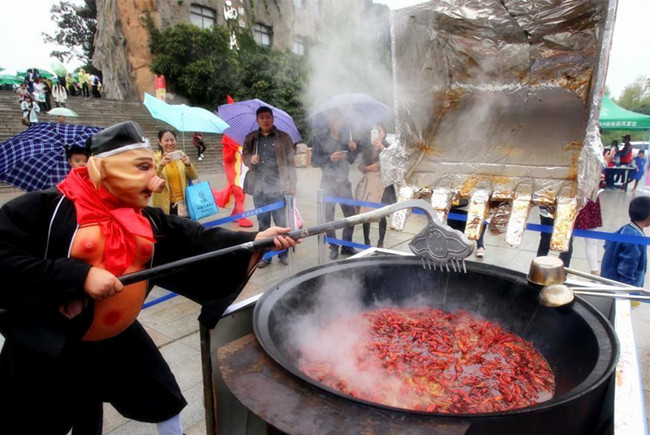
545, 243
261, 199
43, 395
338, 189
200, 148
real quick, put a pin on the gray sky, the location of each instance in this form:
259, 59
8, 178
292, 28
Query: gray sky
22, 21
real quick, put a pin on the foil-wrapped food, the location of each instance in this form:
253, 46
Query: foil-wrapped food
500, 97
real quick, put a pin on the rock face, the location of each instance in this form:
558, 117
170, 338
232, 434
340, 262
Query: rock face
121, 50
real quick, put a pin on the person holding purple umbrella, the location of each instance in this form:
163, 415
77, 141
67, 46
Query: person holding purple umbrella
269, 155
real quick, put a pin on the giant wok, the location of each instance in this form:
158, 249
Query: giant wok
577, 341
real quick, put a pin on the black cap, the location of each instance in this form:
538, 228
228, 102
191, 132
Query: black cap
116, 139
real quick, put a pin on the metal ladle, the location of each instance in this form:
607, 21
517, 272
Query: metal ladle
550, 274
557, 295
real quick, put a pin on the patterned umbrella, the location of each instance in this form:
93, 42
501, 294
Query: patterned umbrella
242, 120
35, 159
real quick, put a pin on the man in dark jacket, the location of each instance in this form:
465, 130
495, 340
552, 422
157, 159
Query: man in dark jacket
333, 152
269, 155
72, 340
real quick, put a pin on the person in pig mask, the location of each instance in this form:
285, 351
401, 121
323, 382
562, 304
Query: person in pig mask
72, 340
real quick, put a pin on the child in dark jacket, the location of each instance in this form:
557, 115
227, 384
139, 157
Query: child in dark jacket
624, 261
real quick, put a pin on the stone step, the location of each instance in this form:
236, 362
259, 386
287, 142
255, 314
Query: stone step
105, 112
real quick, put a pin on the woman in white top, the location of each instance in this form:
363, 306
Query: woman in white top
39, 93
59, 93
30, 109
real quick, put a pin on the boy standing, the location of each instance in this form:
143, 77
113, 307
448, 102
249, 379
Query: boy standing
626, 262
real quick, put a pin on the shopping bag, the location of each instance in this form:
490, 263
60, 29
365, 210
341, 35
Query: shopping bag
200, 201
296, 216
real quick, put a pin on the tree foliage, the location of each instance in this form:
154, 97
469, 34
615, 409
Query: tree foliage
197, 63
635, 97
76, 32
200, 65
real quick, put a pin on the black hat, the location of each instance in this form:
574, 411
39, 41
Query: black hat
116, 139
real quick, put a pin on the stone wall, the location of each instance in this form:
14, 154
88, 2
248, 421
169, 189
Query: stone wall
122, 53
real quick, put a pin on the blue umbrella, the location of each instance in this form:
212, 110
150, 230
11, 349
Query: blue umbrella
242, 119
35, 159
358, 110
184, 118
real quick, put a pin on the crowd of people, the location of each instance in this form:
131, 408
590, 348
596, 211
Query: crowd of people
36, 93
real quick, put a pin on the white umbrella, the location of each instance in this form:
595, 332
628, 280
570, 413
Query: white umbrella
62, 111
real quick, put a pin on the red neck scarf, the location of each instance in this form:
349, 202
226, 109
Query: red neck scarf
118, 224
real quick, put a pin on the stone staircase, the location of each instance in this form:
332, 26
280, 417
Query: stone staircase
101, 112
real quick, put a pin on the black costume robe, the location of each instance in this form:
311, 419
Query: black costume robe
48, 377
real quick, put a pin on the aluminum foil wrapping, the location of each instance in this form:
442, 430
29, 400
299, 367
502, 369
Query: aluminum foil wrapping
476, 214
398, 219
518, 219
500, 216
502, 93
565, 217
441, 203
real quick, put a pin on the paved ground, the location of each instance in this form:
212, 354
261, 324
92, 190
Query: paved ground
174, 328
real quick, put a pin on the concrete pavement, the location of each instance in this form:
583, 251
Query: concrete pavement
174, 327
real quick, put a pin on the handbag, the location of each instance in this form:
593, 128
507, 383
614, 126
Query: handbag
297, 218
249, 179
199, 200
249, 182
25, 119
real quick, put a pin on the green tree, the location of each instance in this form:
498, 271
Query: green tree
276, 77
198, 63
76, 32
636, 97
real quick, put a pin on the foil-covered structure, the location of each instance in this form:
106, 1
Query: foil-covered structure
497, 102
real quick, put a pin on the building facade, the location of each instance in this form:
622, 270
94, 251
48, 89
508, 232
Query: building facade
121, 50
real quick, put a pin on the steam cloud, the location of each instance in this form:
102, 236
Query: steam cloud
354, 54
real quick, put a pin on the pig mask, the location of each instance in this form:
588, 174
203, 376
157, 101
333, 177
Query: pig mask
123, 162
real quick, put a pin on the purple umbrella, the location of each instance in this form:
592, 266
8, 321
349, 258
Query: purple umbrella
35, 159
242, 120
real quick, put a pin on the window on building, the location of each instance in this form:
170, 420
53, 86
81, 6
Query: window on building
298, 3
263, 35
203, 17
299, 45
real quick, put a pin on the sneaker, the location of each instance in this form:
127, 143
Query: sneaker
243, 222
480, 252
264, 263
348, 251
284, 260
200, 158
334, 252
367, 242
